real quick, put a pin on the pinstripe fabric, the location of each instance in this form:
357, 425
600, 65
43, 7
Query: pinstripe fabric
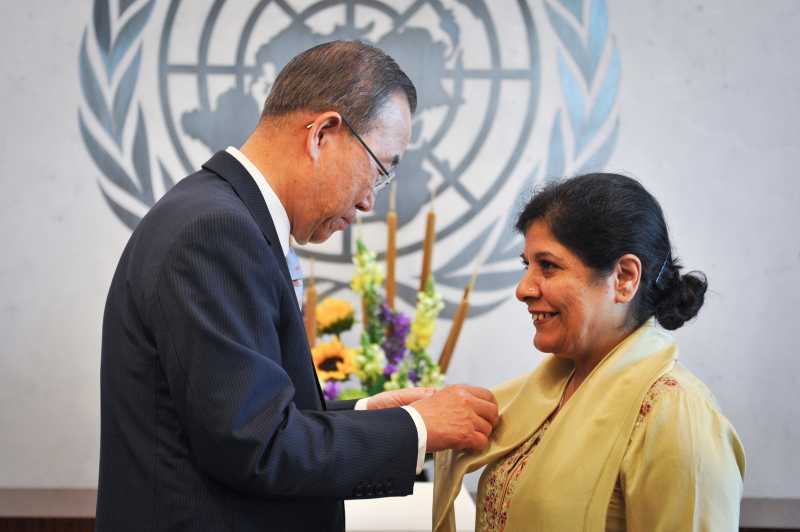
212, 418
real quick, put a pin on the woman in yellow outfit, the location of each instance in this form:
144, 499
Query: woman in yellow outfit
610, 432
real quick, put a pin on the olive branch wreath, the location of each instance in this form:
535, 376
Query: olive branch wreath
580, 138
108, 89
579, 141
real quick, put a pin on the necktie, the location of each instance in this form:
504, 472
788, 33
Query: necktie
296, 271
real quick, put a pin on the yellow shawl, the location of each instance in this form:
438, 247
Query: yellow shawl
585, 443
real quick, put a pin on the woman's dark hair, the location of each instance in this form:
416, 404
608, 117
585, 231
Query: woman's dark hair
601, 217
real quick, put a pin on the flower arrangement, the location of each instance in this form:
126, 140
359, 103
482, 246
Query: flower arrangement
393, 348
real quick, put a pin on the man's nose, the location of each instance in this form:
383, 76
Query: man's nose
366, 204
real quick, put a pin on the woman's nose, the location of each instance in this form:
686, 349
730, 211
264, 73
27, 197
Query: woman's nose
527, 288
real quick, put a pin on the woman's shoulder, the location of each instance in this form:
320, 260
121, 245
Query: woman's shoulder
679, 385
681, 429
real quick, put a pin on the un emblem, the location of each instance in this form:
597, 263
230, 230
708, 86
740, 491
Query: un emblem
511, 93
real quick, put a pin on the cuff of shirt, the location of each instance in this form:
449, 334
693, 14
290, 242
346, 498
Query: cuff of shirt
422, 432
422, 435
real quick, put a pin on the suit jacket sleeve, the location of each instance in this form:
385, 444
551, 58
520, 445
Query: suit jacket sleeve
216, 320
341, 405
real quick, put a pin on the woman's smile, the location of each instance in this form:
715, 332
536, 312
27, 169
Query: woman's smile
541, 319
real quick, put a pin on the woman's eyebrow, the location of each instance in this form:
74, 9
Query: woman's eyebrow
546, 255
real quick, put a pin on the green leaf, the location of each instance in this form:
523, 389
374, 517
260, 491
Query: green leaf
352, 393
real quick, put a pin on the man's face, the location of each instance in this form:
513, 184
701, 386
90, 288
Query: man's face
346, 173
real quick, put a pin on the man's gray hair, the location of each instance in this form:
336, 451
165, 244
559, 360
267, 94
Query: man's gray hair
349, 77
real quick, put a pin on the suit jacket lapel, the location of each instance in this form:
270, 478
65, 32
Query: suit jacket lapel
228, 168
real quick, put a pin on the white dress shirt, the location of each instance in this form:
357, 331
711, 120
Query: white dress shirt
283, 228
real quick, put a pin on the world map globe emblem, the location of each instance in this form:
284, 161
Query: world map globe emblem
483, 95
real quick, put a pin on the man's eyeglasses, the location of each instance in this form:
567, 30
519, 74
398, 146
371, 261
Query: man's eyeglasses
384, 176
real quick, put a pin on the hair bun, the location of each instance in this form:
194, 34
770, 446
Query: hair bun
682, 297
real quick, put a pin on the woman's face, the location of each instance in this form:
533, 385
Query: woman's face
576, 313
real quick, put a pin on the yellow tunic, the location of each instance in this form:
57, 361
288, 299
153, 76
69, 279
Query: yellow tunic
498, 482
641, 446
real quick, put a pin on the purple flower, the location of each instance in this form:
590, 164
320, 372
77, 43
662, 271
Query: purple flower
398, 326
389, 370
412, 376
331, 390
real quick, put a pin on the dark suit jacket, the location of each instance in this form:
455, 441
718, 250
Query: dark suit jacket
212, 417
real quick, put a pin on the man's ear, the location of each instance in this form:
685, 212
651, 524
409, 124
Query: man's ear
318, 132
627, 275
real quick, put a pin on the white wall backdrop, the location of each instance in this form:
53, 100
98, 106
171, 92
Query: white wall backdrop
709, 120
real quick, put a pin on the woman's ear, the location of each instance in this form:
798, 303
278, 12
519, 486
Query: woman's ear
318, 132
627, 275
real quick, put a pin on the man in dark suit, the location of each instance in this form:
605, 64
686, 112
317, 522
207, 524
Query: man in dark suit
211, 413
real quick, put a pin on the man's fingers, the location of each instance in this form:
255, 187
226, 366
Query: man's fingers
400, 397
480, 393
481, 425
415, 394
487, 410
459, 417
478, 442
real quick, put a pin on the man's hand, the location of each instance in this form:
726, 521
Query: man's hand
458, 417
397, 398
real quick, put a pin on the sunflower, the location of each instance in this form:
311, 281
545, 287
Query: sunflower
333, 360
334, 316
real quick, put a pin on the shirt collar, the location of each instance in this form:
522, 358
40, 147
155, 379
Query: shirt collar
274, 205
